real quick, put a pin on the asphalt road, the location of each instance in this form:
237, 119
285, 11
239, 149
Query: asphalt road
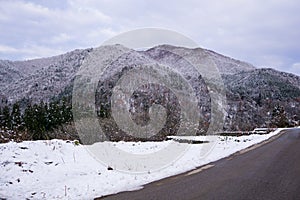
270, 171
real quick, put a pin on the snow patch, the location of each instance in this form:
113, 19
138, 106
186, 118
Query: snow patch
58, 169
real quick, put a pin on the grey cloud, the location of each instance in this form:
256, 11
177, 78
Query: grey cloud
264, 33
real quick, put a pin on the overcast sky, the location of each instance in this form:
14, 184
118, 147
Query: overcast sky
264, 33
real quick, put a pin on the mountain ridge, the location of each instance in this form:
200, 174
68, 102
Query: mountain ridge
14, 72
252, 93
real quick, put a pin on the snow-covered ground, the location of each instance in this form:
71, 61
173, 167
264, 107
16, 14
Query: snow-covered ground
59, 169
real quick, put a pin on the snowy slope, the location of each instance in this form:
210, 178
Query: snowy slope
225, 65
41, 79
59, 169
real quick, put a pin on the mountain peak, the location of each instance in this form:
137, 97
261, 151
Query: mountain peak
44, 78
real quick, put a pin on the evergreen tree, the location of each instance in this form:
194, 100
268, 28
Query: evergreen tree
28, 117
6, 121
54, 116
16, 117
40, 121
259, 100
66, 111
35, 121
1, 118
279, 118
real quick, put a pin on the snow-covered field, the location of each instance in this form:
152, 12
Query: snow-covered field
59, 169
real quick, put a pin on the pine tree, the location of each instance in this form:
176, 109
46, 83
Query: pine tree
6, 121
54, 116
66, 111
42, 118
35, 121
1, 123
279, 118
16, 117
28, 117
40, 121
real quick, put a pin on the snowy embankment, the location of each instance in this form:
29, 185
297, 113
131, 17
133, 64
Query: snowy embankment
59, 169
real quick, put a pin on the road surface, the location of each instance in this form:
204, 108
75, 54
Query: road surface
268, 172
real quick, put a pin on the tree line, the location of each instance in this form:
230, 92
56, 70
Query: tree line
37, 119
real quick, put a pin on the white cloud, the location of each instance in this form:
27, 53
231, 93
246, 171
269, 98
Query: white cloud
7, 49
61, 38
27, 24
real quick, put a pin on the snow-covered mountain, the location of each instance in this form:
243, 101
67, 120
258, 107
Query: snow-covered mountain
41, 79
254, 95
225, 65
251, 93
